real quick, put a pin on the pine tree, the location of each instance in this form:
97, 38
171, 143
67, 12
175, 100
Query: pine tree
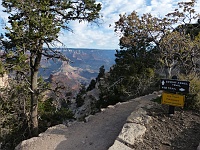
34, 24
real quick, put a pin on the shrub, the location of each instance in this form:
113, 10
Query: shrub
192, 100
14, 125
50, 115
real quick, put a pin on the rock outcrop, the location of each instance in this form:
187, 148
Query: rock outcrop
135, 126
89, 106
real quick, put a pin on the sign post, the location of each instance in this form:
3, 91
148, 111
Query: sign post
172, 108
173, 99
173, 86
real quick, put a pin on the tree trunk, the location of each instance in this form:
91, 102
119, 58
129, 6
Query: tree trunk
168, 72
34, 63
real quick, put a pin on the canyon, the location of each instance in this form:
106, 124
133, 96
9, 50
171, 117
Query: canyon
83, 67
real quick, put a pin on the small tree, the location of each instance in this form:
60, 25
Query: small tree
182, 54
80, 96
34, 24
91, 85
135, 61
101, 73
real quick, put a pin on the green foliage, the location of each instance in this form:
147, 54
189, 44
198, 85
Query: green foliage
91, 85
175, 48
79, 98
192, 29
134, 72
180, 53
135, 62
145, 41
34, 24
51, 115
15, 111
127, 87
93, 82
157, 100
134, 69
14, 105
192, 100
101, 73
107, 98
2, 69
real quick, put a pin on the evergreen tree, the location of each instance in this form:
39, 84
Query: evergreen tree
80, 96
135, 61
91, 85
101, 73
34, 24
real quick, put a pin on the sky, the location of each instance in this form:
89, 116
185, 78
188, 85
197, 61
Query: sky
102, 36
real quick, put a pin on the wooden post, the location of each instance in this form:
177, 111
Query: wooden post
172, 108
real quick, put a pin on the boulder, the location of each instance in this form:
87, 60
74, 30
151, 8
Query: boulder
131, 133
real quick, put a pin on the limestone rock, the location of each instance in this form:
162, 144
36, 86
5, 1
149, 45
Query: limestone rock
132, 132
140, 117
119, 146
25, 143
89, 105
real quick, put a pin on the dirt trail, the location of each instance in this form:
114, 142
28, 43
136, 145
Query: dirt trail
99, 133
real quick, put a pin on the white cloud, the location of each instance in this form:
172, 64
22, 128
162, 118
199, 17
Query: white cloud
92, 36
3, 18
87, 36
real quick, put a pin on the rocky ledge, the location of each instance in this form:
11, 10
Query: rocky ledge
135, 126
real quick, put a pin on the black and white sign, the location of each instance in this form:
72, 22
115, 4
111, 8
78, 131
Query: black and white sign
174, 85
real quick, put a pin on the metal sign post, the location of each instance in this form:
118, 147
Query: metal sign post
173, 86
172, 108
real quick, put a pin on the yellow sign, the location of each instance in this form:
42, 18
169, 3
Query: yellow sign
173, 99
